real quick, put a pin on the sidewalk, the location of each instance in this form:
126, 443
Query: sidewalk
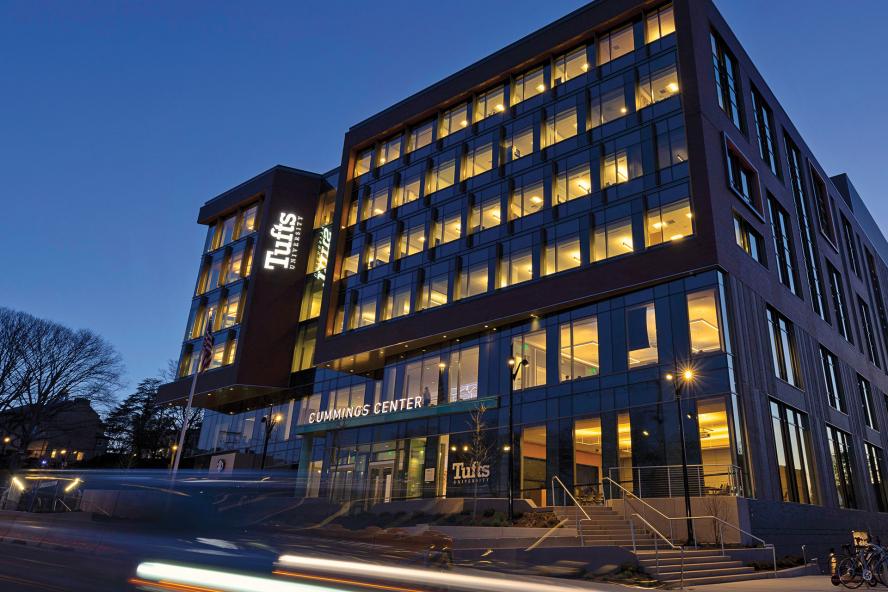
801, 584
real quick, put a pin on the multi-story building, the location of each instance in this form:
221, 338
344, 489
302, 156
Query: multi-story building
521, 255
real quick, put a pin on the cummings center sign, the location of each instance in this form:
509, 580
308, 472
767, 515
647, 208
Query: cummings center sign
365, 410
286, 234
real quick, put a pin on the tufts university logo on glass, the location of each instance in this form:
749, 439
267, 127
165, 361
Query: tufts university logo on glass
286, 234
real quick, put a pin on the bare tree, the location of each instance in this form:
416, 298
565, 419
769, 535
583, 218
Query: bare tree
14, 327
480, 452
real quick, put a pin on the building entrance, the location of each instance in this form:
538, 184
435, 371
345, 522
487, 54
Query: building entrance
379, 484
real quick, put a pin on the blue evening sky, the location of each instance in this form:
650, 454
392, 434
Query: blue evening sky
119, 119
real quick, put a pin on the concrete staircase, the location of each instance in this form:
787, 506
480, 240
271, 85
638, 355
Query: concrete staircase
605, 527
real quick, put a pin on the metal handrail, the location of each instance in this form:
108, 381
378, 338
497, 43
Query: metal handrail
576, 503
656, 547
629, 493
721, 538
547, 534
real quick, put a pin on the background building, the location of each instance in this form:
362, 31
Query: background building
614, 198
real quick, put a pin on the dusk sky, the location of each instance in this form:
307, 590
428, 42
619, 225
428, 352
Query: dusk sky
119, 119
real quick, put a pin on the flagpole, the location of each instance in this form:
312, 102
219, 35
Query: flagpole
205, 359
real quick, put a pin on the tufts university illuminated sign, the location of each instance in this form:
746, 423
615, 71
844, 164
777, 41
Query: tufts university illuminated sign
286, 234
322, 253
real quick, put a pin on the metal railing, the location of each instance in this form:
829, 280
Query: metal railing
657, 538
628, 495
668, 480
568, 494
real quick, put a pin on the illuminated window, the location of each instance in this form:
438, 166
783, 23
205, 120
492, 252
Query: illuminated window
570, 65
532, 348
390, 150
363, 162
612, 239
380, 251
303, 353
533, 464
560, 125
641, 335
472, 278
562, 254
212, 273
588, 465
479, 160
447, 228
615, 168
311, 298
516, 267
573, 183
442, 174
527, 198
519, 141
249, 220
229, 225
528, 85
578, 349
795, 467
412, 237
235, 267
607, 106
248, 261
398, 301
672, 147
420, 136
350, 265
615, 44
659, 23
230, 311
364, 312
219, 350
422, 379
213, 236
462, 375
411, 185
353, 211
490, 103
454, 120
703, 321
783, 353
433, 291
485, 214
669, 222
716, 451
749, 239
655, 85
376, 202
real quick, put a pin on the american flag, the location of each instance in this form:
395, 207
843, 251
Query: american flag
206, 354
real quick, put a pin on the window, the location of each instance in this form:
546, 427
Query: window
794, 459
560, 125
249, 221
390, 150
867, 402
876, 286
527, 197
832, 379
447, 228
235, 267
363, 161
519, 141
703, 321
376, 202
229, 225
353, 210
230, 309
749, 239
398, 299
869, 337
442, 174
851, 246
454, 120
843, 321
612, 239
607, 106
578, 349
528, 85
350, 263
572, 183
212, 240
412, 237
764, 130
615, 44
782, 231
780, 331
874, 464
621, 165
212, 273
794, 163
516, 265
472, 278
839, 444
742, 179
669, 222
490, 103
479, 159
655, 85
433, 291
641, 335
824, 211
411, 185
672, 146
422, 379
725, 67
570, 65
364, 313
420, 136
380, 251
485, 214
310, 307
532, 348
659, 23
462, 375
562, 253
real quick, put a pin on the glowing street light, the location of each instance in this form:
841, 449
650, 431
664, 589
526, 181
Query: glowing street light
687, 376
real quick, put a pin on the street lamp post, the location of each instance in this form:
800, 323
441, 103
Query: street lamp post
270, 421
678, 386
173, 450
514, 368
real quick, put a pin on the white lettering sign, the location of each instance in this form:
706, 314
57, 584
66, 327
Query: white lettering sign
470, 473
286, 234
322, 253
365, 410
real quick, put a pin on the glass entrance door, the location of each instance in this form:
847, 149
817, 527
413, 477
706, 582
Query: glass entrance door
380, 482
